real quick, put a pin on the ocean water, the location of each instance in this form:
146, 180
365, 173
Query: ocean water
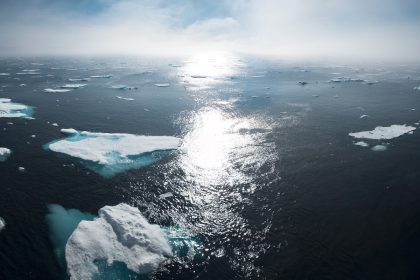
267, 179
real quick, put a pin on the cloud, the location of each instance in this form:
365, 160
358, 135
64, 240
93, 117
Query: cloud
376, 29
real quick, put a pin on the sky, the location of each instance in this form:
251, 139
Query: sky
354, 29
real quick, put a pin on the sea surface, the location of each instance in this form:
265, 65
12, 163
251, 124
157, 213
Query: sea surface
267, 178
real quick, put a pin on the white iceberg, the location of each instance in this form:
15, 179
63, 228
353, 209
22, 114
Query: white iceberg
56, 90
4, 153
111, 153
119, 234
379, 148
382, 132
73, 86
9, 109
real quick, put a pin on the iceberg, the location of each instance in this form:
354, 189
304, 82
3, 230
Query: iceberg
119, 235
381, 132
56, 90
9, 109
112, 153
361, 144
73, 86
4, 153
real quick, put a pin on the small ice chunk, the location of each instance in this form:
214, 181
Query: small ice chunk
361, 144
21, 169
2, 224
364, 116
162, 85
165, 195
119, 234
56, 90
73, 86
125, 98
54, 124
101, 76
303, 83
4, 153
123, 87
379, 148
198, 76
4, 74
417, 88
346, 80
381, 132
22, 85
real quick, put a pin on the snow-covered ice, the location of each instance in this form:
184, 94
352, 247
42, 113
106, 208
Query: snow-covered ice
78, 79
362, 144
9, 109
379, 148
162, 85
125, 98
111, 153
2, 223
382, 132
346, 80
119, 234
101, 76
4, 153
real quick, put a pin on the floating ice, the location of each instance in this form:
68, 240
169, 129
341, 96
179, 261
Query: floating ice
21, 169
381, 132
346, 80
112, 153
198, 76
56, 90
417, 88
364, 116
101, 76
362, 144
165, 195
2, 223
4, 153
4, 74
162, 85
73, 86
123, 87
125, 98
379, 148
303, 83
9, 109
119, 234
78, 79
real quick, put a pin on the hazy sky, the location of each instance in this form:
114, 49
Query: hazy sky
384, 29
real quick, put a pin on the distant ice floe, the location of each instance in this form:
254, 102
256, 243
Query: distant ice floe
2, 224
381, 132
118, 244
101, 76
417, 88
29, 72
346, 80
112, 153
78, 79
123, 87
125, 98
120, 234
56, 90
4, 153
73, 86
162, 85
9, 109
4, 74
364, 116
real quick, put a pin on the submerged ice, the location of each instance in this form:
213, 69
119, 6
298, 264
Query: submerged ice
111, 153
381, 132
9, 109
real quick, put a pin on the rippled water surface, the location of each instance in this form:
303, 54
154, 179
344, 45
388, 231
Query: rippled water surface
267, 179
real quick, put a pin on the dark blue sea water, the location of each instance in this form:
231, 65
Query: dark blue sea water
267, 179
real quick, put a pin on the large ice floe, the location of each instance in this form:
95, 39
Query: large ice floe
384, 132
4, 153
112, 153
9, 109
118, 244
